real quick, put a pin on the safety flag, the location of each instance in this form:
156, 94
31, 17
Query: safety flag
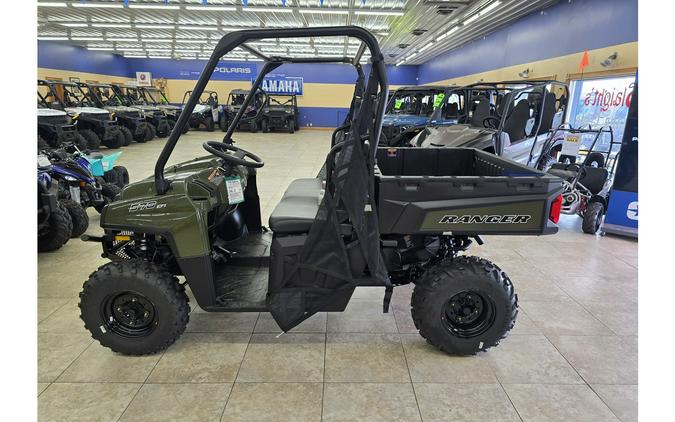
584, 61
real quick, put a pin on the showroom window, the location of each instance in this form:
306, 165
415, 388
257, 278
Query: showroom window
601, 102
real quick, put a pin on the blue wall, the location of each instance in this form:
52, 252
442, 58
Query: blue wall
565, 28
63, 56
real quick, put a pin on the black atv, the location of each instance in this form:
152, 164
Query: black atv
132, 122
206, 113
55, 128
280, 111
96, 125
132, 97
383, 218
252, 117
54, 226
155, 97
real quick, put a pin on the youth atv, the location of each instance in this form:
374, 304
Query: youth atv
586, 163
54, 226
252, 117
280, 111
95, 124
505, 118
132, 122
381, 218
154, 96
206, 113
132, 97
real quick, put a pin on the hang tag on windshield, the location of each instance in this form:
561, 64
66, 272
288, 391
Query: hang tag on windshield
43, 161
235, 192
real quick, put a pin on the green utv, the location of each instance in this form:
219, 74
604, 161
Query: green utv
132, 97
381, 217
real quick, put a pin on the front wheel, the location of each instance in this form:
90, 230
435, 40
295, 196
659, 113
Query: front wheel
464, 306
78, 216
109, 191
92, 139
134, 307
209, 123
593, 218
57, 231
264, 125
291, 126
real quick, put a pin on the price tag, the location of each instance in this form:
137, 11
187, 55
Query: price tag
438, 99
571, 145
235, 193
43, 161
398, 103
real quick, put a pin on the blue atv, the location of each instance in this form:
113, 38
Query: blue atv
412, 108
54, 224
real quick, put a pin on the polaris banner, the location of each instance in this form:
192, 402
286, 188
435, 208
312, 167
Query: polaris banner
225, 71
281, 84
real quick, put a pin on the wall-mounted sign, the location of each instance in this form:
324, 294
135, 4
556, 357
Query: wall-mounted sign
143, 79
281, 84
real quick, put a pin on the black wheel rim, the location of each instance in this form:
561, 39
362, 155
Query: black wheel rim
129, 314
468, 314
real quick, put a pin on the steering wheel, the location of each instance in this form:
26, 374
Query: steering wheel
489, 122
219, 149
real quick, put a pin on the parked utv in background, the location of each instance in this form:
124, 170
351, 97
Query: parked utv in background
55, 128
154, 96
131, 121
252, 116
206, 113
280, 111
410, 109
367, 227
132, 97
95, 124
511, 119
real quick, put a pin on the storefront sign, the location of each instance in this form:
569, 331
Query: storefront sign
605, 99
143, 79
281, 84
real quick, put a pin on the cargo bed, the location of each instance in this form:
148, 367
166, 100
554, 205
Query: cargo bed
461, 191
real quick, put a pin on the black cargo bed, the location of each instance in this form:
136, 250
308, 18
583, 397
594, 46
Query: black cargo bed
461, 191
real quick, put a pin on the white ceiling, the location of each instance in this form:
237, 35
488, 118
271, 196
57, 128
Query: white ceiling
188, 29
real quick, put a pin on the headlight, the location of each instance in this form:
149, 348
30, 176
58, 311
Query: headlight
70, 178
288, 111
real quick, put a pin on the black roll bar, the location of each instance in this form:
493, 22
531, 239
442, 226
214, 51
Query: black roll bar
235, 39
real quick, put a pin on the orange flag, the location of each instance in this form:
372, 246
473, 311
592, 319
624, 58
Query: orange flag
584, 61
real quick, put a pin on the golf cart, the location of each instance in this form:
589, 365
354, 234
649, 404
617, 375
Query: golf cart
154, 96
512, 119
411, 109
586, 163
252, 117
403, 219
131, 120
280, 111
95, 124
206, 113
56, 128
131, 96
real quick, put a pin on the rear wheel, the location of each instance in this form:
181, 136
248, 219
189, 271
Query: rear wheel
78, 216
58, 231
264, 126
291, 126
141, 137
222, 123
116, 141
128, 137
464, 306
593, 218
209, 123
109, 191
134, 307
92, 140
253, 126
122, 176
150, 132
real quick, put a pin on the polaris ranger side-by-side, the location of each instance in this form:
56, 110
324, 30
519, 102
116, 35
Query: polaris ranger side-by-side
382, 217
280, 111
253, 112
154, 96
96, 125
206, 113
131, 96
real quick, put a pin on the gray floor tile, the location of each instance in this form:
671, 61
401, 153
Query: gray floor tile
184, 402
563, 318
314, 324
85, 402
622, 399
464, 402
47, 306
222, 322
57, 351
365, 358
369, 402
274, 402
558, 403
362, 316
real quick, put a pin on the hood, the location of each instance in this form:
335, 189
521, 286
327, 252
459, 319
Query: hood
404, 120
146, 107
169, 107
48, 112
201, 108
122, 109
455, 136
86, 110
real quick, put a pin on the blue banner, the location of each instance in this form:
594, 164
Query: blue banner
281, 84
623, 209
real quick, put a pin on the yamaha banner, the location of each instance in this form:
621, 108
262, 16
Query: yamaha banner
281, 84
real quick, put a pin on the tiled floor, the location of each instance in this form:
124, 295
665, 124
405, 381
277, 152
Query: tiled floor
571, 357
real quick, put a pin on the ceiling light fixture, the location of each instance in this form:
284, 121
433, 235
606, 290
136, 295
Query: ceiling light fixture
100, 48
153, 26
121, 39
178, 40
86, 38
426, 47
485, 11
111, 25
212, 8
376, 12
52, 4
159, 57
153, 6
471, 19
74, 25
129, 49
447, 33
53, 38
198, 28
268, 9
325, 11
98, 5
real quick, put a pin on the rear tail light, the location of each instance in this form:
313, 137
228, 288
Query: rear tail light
556, 206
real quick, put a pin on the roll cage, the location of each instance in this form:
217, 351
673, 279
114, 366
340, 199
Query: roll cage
60, 95
153, 95
290, 99
101, 95
418, 100
368, 103
210, 99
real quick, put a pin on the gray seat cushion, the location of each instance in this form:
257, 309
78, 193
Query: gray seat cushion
294, 215
296, 211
